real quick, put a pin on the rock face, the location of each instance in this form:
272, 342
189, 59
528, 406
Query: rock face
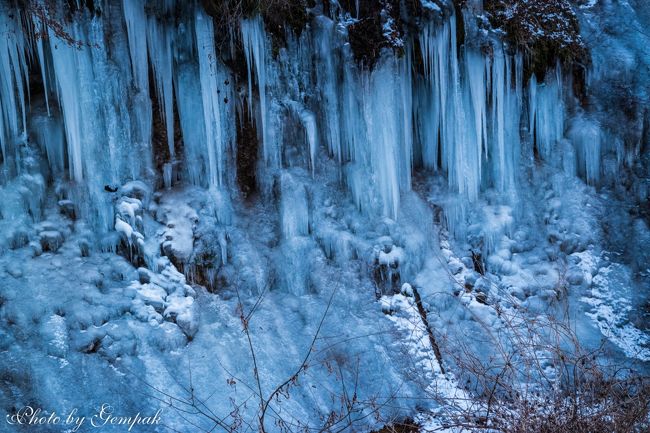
378, 26
380, 185
547, 30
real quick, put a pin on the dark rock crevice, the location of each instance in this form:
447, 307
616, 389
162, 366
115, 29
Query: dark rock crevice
247, 152
432, 338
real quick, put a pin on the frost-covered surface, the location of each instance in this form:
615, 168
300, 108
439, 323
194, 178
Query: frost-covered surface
132, 264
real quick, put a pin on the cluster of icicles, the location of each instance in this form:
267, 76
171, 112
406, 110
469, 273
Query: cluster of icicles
461, 117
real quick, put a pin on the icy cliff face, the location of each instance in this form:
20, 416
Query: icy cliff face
131, 248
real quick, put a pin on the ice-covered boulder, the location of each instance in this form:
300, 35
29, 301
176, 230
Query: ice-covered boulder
183, 311
67, 208
153, 295
17, 238
386, 265
168, 336
51, 240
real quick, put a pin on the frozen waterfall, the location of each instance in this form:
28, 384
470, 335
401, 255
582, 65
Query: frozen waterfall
461, 115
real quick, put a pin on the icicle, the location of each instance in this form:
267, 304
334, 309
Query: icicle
476, 77
406, 148
254, 40
430, 114
136, 25
41, 60
504, 120
167, 175
160, 53
309, 123
569, 162
378, 134
13, 76
453, 117
513, 107
383, 130
327, 76
532, 105
70, 65
352, 123
211, 77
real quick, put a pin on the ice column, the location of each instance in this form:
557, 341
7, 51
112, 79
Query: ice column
211, 79
190, 113
326, 72
93, 83
546, 112
377, 133
71, 66
504, 119
453, 111
136, 25
586, 135
13, 76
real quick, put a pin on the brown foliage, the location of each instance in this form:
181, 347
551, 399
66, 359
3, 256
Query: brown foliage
406, 426
540, 380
